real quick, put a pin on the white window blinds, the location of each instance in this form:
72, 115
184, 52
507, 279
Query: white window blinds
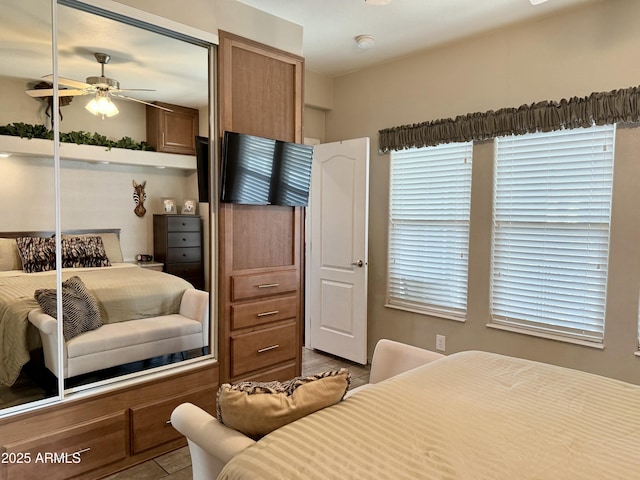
552, 209
430, 196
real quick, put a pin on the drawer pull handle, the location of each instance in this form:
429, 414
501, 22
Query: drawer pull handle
266, 314
269, 285
266, 349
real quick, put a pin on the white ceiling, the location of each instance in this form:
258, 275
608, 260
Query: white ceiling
176, 70
400, 28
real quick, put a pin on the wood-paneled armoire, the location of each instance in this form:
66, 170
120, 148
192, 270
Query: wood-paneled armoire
261, 248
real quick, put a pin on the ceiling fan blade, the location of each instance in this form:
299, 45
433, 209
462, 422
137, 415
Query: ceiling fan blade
134, 90
48, 92
140, 101
67, 82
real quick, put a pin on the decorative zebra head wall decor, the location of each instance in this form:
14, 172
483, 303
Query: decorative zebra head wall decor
139, 196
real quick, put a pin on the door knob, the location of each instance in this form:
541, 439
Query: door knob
359, 263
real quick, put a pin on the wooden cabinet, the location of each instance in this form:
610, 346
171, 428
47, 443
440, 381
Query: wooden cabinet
261, 252
177, 243
174, 131
260, 292
93, 437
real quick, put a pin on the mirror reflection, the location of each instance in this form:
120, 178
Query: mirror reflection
134, 243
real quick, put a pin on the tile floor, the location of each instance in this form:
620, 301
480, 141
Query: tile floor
176, 465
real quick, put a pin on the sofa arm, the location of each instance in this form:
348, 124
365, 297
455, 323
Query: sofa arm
45, 323
48, 327
211, 444
391, 358
195, 305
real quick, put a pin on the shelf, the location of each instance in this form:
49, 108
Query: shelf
37, 147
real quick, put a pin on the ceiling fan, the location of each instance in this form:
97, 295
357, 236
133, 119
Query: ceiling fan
101, 87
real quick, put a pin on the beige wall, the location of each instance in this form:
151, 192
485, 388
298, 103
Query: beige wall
584, 50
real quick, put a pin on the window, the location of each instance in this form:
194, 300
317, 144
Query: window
551, 217
430, 197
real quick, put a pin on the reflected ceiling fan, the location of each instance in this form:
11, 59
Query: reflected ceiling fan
101, 87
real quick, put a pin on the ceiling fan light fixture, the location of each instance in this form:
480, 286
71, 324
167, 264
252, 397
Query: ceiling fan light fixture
101, 104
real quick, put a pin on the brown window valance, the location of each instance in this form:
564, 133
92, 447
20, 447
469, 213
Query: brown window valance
600, 108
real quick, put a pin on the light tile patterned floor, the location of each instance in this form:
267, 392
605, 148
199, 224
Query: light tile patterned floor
176, 465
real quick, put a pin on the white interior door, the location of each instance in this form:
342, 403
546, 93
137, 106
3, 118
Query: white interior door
337, 254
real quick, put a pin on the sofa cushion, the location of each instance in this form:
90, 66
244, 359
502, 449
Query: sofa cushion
257, 408
80, 311
114, 336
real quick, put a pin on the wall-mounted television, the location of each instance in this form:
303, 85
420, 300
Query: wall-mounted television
202, 163
263, 171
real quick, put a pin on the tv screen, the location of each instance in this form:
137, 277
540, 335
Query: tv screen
202, 165
262, 171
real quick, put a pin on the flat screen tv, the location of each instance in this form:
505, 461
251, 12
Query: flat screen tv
262, 171
202, 165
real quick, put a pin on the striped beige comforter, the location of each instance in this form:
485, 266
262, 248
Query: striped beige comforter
124, 292
471, 416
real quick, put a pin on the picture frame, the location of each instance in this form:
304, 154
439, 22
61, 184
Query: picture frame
169, 206
189, 206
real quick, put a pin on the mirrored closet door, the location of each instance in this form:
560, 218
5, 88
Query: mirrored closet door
131, 103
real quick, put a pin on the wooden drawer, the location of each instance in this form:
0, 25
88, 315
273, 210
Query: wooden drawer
151, 425
186, 254
260, 349
281, 373
264, 284
265, 311
183, 239
71, 451
184, 269
183, 224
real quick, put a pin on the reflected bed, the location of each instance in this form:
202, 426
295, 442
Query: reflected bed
124, 292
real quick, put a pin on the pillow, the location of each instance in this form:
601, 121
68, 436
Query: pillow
257, 408
83, 251
38, 254
80, 311
111, 244
9, 256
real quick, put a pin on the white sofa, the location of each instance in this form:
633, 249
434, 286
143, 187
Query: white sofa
123, 342
212, 444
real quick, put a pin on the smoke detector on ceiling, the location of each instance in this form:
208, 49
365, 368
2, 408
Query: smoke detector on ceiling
365, 41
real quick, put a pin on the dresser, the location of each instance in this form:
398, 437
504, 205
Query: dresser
177, 243
260, 293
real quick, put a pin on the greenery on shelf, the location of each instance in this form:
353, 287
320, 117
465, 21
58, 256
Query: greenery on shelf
25, 130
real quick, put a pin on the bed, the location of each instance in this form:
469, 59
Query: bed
124, 292
471, 415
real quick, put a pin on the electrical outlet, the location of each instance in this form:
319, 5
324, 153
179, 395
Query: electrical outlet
441, 343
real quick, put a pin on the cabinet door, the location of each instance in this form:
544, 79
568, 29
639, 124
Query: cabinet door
174, 131
151, 425
70, 451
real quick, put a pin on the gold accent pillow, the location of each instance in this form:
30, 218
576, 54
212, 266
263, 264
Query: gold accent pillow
257, 408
